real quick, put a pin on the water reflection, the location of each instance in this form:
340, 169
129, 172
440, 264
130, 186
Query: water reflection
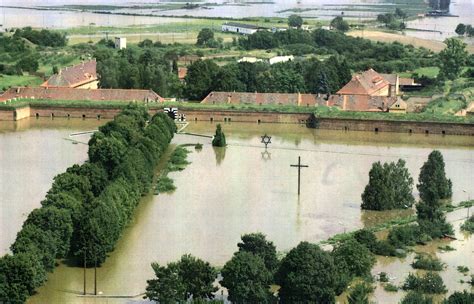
220, 154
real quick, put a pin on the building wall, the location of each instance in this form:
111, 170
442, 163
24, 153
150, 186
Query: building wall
93, 85
240, 30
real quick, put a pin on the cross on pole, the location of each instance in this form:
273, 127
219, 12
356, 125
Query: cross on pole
299, 166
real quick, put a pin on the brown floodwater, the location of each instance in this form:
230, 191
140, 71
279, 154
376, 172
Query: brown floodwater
226, 192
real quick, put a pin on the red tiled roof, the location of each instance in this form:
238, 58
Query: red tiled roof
72, 77
81, 94
366, 83
182, 72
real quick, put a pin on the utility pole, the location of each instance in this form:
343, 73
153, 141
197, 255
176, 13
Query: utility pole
299, 166
85, 265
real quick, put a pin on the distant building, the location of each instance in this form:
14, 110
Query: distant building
249, 59
120, 43
182, 72
278, 59
368, 83
80, 94
81, 76
241, 28
400, 106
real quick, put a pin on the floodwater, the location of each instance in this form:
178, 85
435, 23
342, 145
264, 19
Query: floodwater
226, 192
32, 152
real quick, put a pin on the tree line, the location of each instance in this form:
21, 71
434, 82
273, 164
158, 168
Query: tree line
89, 205
42, 38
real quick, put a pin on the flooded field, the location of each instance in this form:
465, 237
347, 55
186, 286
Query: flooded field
225, 193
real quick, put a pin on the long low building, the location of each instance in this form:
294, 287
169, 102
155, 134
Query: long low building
344, 102
241, 28
44, 93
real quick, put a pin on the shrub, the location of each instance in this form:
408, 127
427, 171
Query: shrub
383, 277
354, 258
390, 287
219, 137
426, 262
366, 238
164, 185
413, 297
360, 294
460, 298
431, 282
402, 236
468, 225
463, 269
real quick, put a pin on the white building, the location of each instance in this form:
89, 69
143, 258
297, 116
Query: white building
120, 43
278, 59
240, 28
249, 59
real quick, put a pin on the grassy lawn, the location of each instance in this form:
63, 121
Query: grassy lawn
7, 81
430, 72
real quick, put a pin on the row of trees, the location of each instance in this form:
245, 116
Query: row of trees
464, 29
311, 76
306, 274
390, 187
89, 205
43, 37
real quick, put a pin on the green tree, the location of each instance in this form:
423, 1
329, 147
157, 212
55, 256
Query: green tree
190, 277
433, 186
399, 13
205, 36
257, 244
295, 21
354, 258
452, 58
219, 137
247, 279
28, 64
306, 275
460, 29
460, 298
200, 79
360, 294
390, 186
414, 297
339, 24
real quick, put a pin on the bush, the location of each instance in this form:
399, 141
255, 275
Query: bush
460, 298
219, 137
468, 225
178, 159
390, 287
463, 269
426, 262
383, 277
431, 282
360, 294
416, 298
402, 236
164, 185
353, 258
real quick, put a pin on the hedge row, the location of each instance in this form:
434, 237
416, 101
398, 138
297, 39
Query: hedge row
89, 205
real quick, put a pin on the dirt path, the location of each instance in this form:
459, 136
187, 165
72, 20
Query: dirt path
390, 37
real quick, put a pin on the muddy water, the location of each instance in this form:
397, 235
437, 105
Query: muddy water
32, 152
225, 193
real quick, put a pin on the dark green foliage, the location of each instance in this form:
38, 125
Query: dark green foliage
219, 137
452, 58
390, 287
390, 187
339, 24
414, 297
205, 36
178, 159
366, 238
164, 184
401, 236
460, 29
383, 277
257, 244
360, 294
43, 37
431, 282
200, 78
306, 275
433, 186
190, 277
385, 248
463, 269
353, 258
28, 64
247, 279
460, 298
295, 21
426, 262
468, 225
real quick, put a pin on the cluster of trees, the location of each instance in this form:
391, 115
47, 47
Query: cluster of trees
310, 76
339, 24
306, 274
43, 37
452, 59
219, 137
393, 21
89, 205
390, 187
135, 69
15, 49
464, 29
360, 54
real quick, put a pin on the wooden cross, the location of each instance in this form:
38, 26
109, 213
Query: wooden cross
299, 166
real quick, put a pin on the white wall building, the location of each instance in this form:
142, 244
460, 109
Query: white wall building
278, 59
240, 28
249, 59
120, 43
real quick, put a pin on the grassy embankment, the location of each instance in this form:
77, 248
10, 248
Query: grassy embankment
19, 80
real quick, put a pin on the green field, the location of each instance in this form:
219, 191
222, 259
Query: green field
7, 81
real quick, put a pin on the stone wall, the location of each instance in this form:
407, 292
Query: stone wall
256, 117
